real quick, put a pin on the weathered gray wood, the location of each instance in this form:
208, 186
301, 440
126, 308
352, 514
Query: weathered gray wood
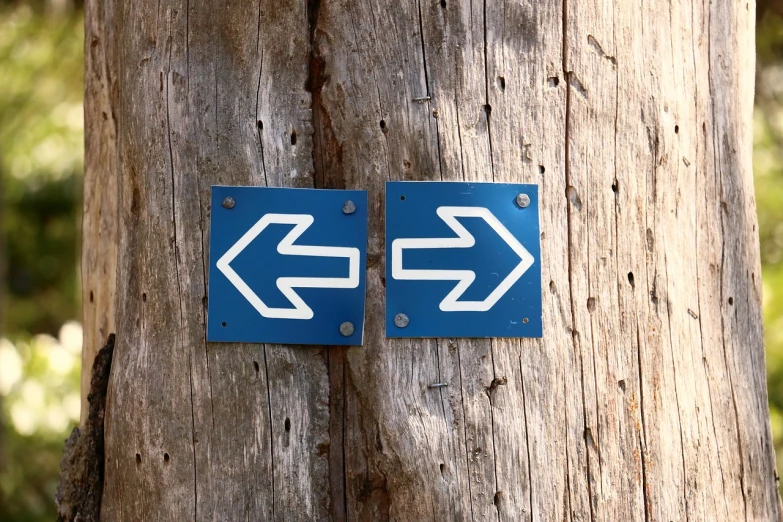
646, 397
237, 430
99, 223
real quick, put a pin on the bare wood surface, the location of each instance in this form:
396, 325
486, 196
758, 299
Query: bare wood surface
100, 221
646, 397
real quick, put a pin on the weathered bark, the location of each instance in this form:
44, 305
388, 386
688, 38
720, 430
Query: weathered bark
645, 399
100, 223
78, 497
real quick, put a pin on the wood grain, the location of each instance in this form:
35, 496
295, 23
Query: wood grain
100, 219
645, 399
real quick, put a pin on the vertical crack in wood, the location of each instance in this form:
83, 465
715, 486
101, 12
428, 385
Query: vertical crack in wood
487, 106
671, 332
643, 442
717, 168
527, 437
271, 433
699, 279
465, 429
492, 343
428, 93
337, 463
259, 122
324, 142
568, 465
170, 45
574, 334
643, 436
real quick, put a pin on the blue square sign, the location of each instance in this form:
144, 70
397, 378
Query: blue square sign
287, 266
462, 260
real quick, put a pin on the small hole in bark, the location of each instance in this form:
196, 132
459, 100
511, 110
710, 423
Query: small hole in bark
92, 298
260, 125
443, 4
552, 288
144, 297
442, 468
676, 129
204, 301
223, 324
166, 458
621, 383
383, 124
255, 366
488, 109
615, 186
554, 81
502, 83
287, 424
498, 495
402, 198
731, 301
591, 305
630, 279
573, 197
293, 137
541, 169
138, 459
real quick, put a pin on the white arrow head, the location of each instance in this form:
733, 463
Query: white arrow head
465, 278
286, 285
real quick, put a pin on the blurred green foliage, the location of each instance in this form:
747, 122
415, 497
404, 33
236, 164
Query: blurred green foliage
41, 151
41, 161
768, 173
41, 136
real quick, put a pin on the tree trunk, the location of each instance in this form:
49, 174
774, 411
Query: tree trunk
644, 400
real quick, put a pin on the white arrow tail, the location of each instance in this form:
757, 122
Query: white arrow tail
464, 278
286, 285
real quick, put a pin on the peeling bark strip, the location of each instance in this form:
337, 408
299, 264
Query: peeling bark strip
646, 397
78, 496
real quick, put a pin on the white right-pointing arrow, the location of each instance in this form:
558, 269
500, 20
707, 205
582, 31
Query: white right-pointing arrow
465, 278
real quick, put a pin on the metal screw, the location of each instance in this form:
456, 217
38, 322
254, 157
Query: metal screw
349, 207
347, 329
523, 200
401, 320
229, 202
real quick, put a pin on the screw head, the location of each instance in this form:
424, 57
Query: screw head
401, 320
347, 329
349, 207
523, 200
229, 202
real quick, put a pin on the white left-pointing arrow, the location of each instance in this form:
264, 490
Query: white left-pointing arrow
286, 285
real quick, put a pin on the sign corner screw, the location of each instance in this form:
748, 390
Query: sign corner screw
347, 329
349, 207
228, 202
523, 200
401, 320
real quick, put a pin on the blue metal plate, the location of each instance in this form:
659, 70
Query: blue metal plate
462, 260
287, 266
